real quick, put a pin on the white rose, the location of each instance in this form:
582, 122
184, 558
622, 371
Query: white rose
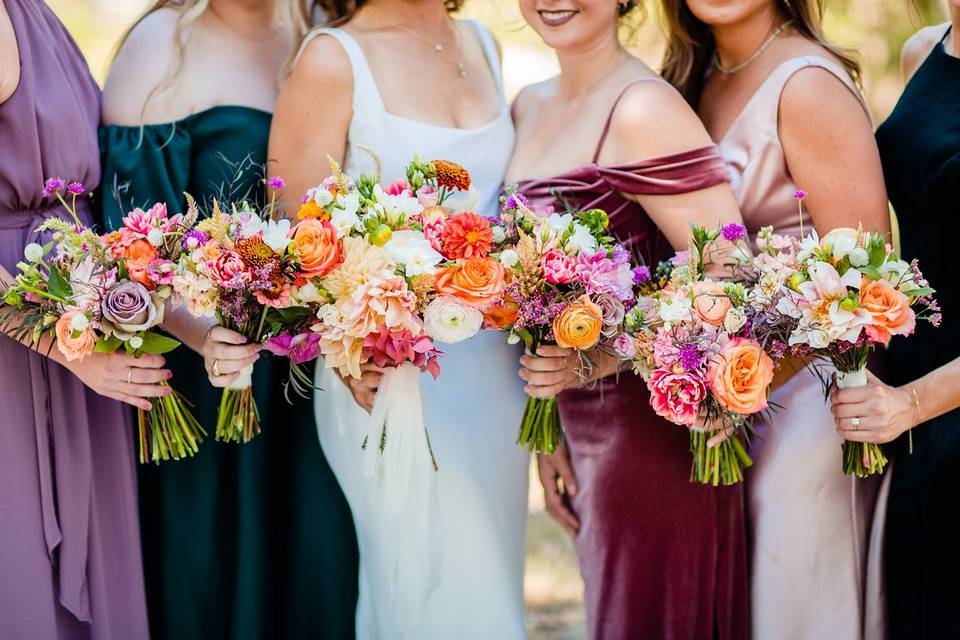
136, 342
155, 237
840, 242
509, 258
276, 234
413, 250
33, 252
79, 322
858, 257
734, 320
448, 320
499, 235
581, 240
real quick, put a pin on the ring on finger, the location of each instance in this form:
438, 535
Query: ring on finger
216, 368
855, 423
129, 376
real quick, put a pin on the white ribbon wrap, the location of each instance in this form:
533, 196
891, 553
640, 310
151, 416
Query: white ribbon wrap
244, 380
846, 380
406, 492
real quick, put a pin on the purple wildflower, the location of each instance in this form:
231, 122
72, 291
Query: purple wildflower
194, 238
690, 357
641, 275
799, 195
76, 188
936, 319
778, 349
276, 183
515, 201
52, 186
733, 232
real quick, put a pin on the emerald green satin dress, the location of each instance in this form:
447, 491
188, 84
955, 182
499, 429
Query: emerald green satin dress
240, 541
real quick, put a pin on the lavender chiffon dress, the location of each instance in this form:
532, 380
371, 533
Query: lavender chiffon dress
69, 539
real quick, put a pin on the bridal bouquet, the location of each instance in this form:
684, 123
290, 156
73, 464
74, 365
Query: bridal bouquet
696, 341
103, 293
569, 283
838, 297
253, 273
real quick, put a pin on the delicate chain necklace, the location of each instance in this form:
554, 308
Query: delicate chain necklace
756, 54
440, 49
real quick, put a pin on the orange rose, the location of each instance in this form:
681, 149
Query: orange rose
317, 247
892, 315
74, 344
138, 256
710, 303
475, 281
739, 376
578, 326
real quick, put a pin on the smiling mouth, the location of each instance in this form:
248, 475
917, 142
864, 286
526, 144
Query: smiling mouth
556, 18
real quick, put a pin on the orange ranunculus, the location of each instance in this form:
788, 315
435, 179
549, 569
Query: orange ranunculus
138, 255
578, 325
310, 210
740, 375
892, 315
74, 345
475, 281
317, 247
500, 314
710, 303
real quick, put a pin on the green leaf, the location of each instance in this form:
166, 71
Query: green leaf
870, 271
108, 344
877, 253
58, 284
157, 343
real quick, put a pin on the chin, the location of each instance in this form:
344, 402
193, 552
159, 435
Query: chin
727, 12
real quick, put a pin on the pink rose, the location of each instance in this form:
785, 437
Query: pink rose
676, 396
558, 267
140, 221
228, 268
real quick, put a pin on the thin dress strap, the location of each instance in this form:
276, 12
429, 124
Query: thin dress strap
490, 52
365, 87
623, 92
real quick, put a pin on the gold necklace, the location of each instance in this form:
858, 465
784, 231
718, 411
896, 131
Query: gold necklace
756, 54
439, 49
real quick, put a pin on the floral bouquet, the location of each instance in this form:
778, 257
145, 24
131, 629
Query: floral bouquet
104, 293
698, 344
253, 273
569, 283
837, 297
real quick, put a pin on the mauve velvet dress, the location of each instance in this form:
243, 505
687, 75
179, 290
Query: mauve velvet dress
661, 557
69, 539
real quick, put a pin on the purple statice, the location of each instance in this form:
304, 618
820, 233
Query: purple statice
194, 238
690, 357
261, 278
276, 183
233, 305
536, 310
76, 188
515, 201
641, 275
777, 349
52, 186
733, 232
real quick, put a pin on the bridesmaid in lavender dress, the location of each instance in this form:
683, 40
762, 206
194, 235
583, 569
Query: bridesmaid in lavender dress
787, 115
69, 541
661, 557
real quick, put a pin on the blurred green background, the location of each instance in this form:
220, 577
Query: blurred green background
875, 29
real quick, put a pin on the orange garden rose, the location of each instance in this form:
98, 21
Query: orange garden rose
710, 303
578, 326
739, 376
139, 254
317, 247
71, 346
475, 281
890, 308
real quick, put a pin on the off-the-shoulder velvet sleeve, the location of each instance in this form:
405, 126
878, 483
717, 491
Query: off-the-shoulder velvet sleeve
142, 166
677, 173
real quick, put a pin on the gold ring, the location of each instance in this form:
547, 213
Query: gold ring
129, 376
216, 368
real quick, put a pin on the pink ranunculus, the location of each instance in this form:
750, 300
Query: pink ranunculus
398, 187
600, 274
433, 231
300, 348
558, 267
228, 267
140, 221
676, 396
427, 195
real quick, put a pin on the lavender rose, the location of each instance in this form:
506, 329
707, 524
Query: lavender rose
612, 309
128, 308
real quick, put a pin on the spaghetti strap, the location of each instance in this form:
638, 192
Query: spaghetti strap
364, 82
623, 92
489, 46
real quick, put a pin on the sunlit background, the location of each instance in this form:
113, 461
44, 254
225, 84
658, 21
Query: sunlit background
875, 29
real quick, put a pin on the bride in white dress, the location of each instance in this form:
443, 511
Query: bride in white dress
401, 78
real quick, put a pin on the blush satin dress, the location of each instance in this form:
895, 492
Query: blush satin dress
661, 557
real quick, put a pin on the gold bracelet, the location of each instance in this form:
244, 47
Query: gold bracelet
916, 403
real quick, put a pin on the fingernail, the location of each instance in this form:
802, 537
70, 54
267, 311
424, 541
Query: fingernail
167, 391
168, 375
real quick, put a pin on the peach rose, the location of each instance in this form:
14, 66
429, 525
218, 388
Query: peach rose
892, 315
710, 303
315, 242
475, 281
74, 344
137, 257
578, 326
739, 376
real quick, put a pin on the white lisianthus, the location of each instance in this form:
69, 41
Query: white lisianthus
155, 237
136, 342
448, 320
79, 322
251, 225
581, 240
33, 252
509, 258
894, 270
840, 242
414, 252
344, 217
858, 257
734, 320
559, 223
676, 310
499, 235
321, 196
396, 209
276, 234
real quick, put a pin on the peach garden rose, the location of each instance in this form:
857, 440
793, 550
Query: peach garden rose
740, 375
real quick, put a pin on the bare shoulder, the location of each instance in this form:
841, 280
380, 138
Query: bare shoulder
530, 98
9, 57
142, 64
816, 94
322, 60
918, 47
652, 119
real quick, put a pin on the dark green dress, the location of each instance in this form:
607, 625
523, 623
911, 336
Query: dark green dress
241, 541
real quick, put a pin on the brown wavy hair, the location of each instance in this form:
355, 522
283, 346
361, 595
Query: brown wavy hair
691, 47
338, 12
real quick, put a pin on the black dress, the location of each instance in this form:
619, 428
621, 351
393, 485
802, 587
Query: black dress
920, 148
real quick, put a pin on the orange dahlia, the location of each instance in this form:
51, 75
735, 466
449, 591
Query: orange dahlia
466, 236
451, 175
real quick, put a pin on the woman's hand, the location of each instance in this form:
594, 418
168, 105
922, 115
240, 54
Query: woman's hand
225, 354
123, 377
559, 485
876, 413
364, 388
552, 370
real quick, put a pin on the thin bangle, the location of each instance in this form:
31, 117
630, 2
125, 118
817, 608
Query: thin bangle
916, 403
